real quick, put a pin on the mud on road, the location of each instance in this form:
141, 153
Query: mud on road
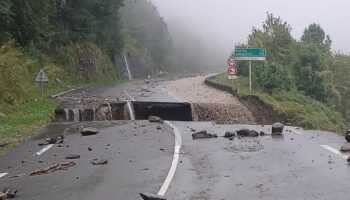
209, 104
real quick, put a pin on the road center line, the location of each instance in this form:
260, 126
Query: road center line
127, 94
335, 151
171, 173
43, 150
3, 174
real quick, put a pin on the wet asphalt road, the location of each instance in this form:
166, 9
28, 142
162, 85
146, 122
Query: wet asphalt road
139, 156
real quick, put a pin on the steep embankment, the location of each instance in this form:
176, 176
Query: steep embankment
209, 104
290, 107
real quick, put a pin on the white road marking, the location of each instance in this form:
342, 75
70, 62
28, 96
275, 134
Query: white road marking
296, 131
127, 94
171, 173
335, 151
43, 150
3, 174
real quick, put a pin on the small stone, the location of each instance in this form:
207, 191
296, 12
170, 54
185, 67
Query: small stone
277, 128
89, 149
3, 143
89, 131
155, 119
231, 138
40, 161
215, 136
230, 134
99, 161
345, 147
147, 196
262, 133
72, 156
159, 128
24, 161
347, 137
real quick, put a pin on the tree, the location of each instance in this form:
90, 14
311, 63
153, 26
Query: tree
315, 35
274, 78
275, 37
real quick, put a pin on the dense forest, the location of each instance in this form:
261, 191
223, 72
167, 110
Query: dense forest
304, 66
76, 41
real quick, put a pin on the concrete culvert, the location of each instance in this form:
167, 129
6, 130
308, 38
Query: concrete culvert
165, 110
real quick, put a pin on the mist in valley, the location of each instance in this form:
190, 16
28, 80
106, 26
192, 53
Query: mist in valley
205, 32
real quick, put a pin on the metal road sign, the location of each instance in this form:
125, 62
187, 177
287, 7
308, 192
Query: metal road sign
231, 61
231, 77
232, 71
249, 53
41, 77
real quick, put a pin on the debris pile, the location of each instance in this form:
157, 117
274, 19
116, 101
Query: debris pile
52, 168
52, 140
8, 193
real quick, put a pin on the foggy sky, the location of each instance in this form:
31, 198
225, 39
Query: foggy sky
225, 22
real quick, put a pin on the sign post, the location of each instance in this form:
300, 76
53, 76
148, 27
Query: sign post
41, 79
250, 54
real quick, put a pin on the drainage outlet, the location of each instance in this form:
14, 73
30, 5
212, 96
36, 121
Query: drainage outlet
166, 110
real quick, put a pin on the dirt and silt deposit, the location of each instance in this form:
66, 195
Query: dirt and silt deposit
209, 104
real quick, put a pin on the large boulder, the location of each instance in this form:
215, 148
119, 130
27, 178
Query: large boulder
277, 128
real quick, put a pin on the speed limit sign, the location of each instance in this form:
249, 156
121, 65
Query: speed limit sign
232, 71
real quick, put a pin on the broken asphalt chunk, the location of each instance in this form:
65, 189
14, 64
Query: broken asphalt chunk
277, 128
89, 131
97, 161
155, 119
147, 196
201, 135
72, 156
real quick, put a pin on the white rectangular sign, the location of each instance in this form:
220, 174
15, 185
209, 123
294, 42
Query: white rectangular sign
250, 58
231, 77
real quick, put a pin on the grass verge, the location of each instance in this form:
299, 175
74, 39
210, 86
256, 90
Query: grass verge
293, 107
